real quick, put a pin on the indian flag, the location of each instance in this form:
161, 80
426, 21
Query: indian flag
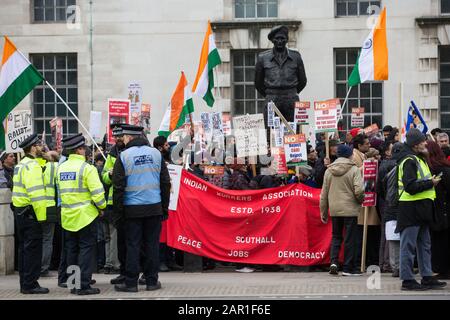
372, 63
180, 106
209, 58
17, 78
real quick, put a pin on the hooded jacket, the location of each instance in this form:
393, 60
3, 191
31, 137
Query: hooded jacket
342, 190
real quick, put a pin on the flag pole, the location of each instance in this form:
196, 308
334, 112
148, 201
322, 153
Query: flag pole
73, 114
346, 99
62, 100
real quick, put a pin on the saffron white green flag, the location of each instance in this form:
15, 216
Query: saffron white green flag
180, 106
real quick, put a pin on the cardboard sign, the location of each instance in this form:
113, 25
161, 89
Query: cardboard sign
357, 118
301, 115
19, 126
135, 97
118, 112
295, 149
56, 129
250, 134
145, 117
278, 164
370, 173
325, 114
214, 170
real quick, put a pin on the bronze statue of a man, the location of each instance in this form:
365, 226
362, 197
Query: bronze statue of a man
280, 74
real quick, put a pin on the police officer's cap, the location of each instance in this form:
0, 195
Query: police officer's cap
29, 141
73, 142
132, 130
277, 29
117, 129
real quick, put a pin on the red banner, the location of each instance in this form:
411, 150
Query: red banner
270, 226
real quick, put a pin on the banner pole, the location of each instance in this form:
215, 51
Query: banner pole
327, 145
73, 114
364, 244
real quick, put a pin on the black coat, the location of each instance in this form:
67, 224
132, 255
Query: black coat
442, 202
414, 213
387, 213
145, 210
319, 170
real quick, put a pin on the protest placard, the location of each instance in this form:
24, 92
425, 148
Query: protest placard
278, 164
325, 114
19, 126
301, 115
370, 173
357, 118
135, 97
250, 135
145, 117
118, 112
95, 123
56, 129
295, 149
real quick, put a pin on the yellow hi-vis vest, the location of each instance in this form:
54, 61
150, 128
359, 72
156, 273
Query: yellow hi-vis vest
81, 193
49, 181
423, 173
29, 188
109, 165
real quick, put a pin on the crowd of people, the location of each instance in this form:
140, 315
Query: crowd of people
93, 211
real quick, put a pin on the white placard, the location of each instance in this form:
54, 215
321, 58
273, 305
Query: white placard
19, 126
95, 124
175, 178
250, 135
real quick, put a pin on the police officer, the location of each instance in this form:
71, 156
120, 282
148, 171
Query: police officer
141, 194
30, 205
115, 224
82, 196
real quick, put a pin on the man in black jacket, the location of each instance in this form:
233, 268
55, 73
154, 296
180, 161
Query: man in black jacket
141, 194
323, 162
416, 189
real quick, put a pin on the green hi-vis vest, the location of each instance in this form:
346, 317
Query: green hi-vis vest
29, 188
81, 193
109, 165
423, 173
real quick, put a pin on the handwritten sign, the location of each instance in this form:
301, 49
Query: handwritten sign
18, 127
250, 135
325, 114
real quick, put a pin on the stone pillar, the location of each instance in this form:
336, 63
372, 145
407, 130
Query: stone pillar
6, 233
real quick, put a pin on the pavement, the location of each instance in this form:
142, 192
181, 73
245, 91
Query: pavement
239, 286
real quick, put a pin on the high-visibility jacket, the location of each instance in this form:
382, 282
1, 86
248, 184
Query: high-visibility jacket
29, 188
109, 165
423, 173
42, 162
142, 166
81, 193
49, 181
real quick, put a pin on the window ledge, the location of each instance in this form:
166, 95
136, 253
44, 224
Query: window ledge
257, 22
433, 20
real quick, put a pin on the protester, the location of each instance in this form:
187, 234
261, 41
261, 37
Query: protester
435, 132
417, 193
440, 235
312, 155
386, 131
8, 161
342, 194
323, 162
442, 140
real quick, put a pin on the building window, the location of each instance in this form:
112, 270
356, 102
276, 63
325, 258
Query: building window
60, 70
346, 8
246, 98
368, 95
51, 10
256, 8
445, 6
444, 84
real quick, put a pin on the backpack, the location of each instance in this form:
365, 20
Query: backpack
390, 182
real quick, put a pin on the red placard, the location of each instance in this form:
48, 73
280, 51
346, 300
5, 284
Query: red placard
271, 226
118, 112
370, 171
